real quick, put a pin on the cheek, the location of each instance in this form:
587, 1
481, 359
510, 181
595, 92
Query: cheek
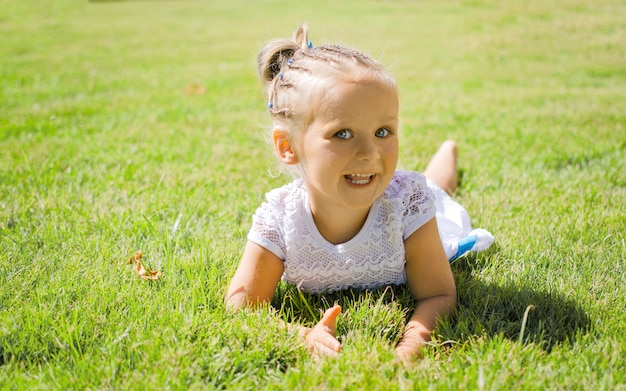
327, 162
391, 151
321, 154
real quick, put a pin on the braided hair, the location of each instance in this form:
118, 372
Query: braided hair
292, 70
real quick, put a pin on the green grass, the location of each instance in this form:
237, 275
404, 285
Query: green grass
103, 152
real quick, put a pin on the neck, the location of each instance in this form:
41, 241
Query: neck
338, 226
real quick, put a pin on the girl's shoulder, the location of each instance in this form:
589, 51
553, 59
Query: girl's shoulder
291, 191
404, 183
408, 195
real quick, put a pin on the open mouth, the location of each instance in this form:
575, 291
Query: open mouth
359, 179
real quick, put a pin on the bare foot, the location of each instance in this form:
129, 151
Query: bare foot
442, 167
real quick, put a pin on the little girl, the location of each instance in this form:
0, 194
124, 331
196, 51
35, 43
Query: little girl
351, 219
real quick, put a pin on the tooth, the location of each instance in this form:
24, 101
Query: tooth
354, 178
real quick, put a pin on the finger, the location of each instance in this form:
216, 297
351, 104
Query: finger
321, 339
330, 342
329, 319
410, 349
405, 356
322, 349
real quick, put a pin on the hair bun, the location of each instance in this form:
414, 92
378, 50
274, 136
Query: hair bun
276, 53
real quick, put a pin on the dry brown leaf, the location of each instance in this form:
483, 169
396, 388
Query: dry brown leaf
194, 89
136, 257
142, 272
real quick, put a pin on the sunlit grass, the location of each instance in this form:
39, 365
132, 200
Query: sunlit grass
108, 149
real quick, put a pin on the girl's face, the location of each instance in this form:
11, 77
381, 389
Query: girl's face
348, 153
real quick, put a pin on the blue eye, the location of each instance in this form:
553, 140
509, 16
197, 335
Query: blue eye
382, 132
344, 134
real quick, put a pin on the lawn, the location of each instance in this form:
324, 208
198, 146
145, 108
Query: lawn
140, 126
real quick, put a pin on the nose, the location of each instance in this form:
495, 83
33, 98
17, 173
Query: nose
367, 150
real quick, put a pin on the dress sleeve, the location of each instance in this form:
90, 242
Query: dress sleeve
418, 202
266, 225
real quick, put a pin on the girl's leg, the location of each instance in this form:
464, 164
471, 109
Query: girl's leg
442, 167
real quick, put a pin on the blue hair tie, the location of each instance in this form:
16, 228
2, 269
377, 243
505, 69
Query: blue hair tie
310, 44
270, 105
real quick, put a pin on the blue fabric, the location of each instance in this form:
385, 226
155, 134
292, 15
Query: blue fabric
465, 245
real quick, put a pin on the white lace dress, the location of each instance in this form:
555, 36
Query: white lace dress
375, 256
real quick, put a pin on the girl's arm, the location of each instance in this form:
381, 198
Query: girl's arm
254, 284
256, 278
430, 280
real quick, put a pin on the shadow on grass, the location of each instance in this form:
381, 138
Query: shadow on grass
381, 312
518, 313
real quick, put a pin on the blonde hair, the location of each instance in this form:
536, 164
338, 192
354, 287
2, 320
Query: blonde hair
291, 71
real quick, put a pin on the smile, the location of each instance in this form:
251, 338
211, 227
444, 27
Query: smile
359, 179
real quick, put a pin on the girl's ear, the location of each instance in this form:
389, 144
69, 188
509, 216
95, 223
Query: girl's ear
283, 147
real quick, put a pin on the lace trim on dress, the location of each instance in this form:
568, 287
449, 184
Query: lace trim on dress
374, 257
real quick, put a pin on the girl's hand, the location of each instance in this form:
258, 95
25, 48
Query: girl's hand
320, 340
409, 349
419, 328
